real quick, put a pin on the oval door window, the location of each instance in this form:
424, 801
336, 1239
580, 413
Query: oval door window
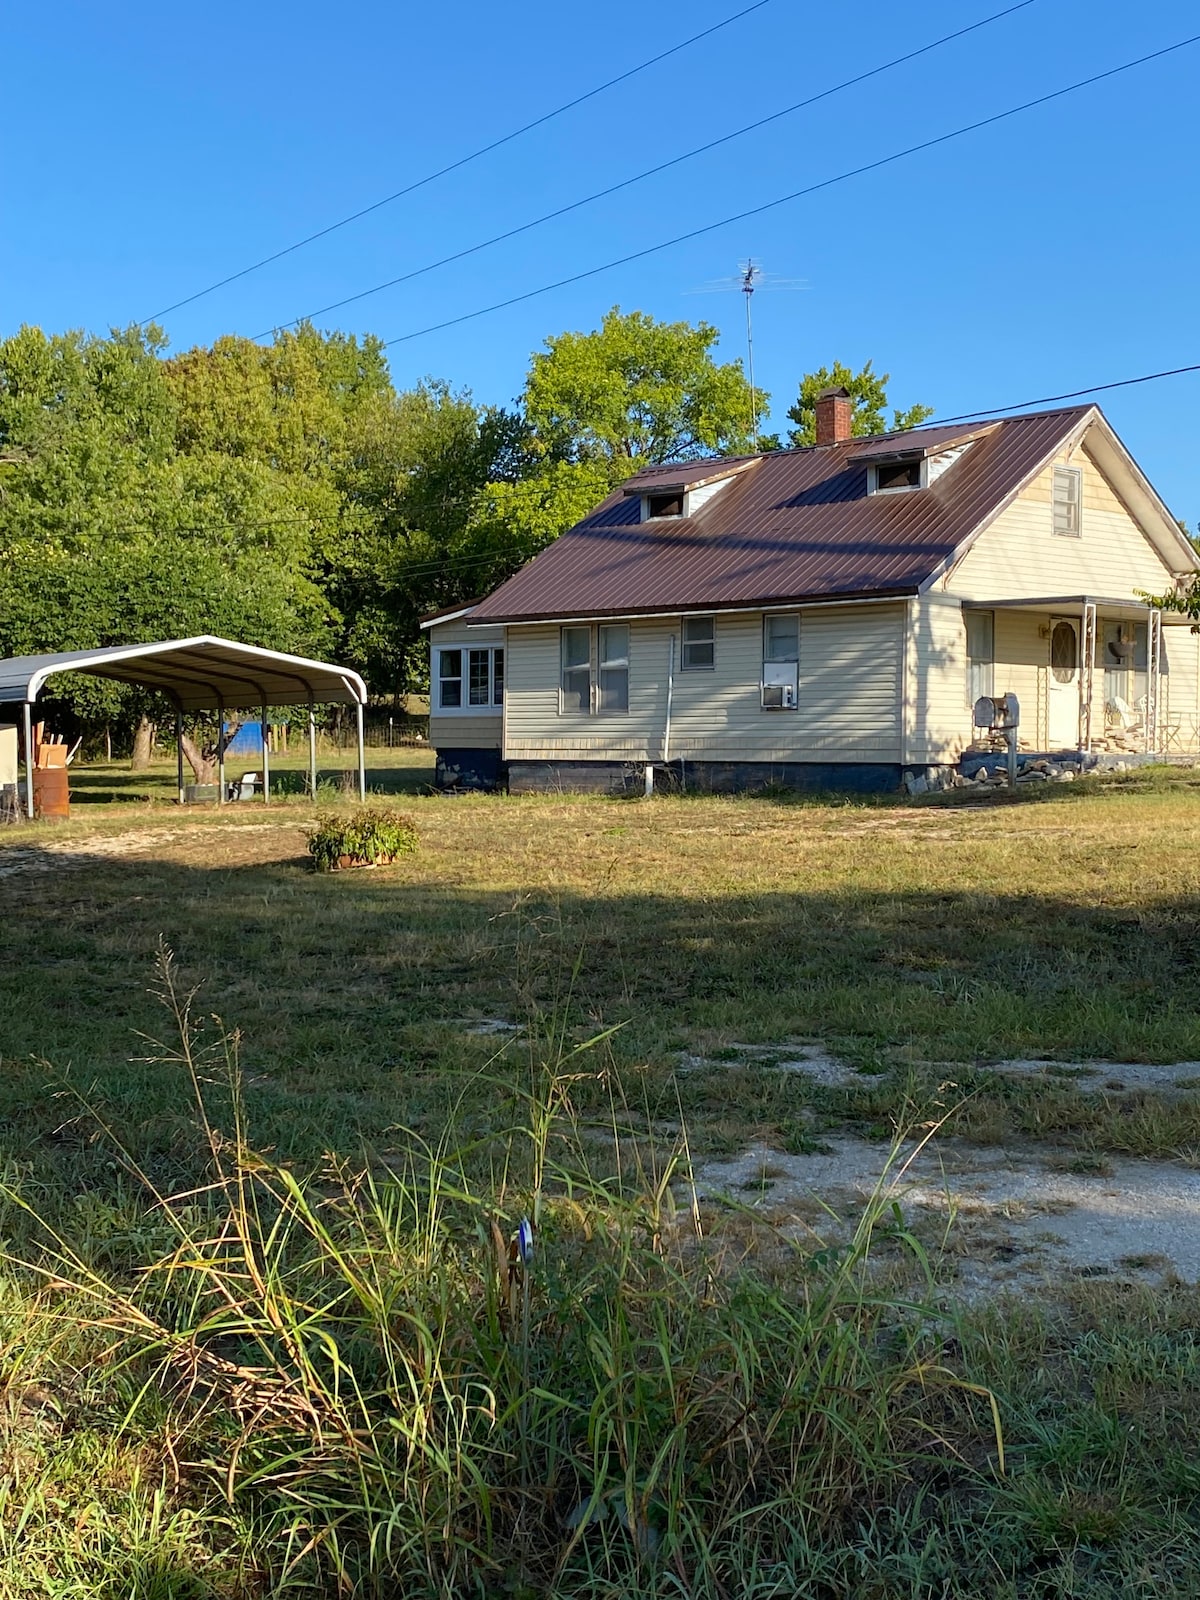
1064, 652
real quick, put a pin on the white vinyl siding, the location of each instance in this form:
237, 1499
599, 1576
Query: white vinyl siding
472, 726
1066, 501
1017, 556
850, 671
937, 721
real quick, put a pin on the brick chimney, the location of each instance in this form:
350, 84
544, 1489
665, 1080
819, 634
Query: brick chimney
835, 412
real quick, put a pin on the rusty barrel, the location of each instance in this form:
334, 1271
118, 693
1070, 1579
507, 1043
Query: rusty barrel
51, 794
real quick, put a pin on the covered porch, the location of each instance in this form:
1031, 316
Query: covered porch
1095, 675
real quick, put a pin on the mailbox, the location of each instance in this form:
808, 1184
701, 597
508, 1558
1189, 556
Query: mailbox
997, 712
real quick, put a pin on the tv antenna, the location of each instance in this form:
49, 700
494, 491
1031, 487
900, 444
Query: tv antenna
749, 279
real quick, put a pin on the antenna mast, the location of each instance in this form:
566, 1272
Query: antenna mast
750, 277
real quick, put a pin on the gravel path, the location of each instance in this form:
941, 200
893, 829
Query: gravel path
55, 855
1016, 1216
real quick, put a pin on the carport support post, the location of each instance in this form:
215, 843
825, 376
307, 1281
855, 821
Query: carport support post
266, 759
220, 751
362, 756
312, 748
179, 753
28, 761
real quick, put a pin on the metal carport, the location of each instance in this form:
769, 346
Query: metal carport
201, 674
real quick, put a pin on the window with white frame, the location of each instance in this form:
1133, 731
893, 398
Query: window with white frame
781, 661
981, 654
595, 668
1067, 497
576, 692
699, 644
468, 679
613, 660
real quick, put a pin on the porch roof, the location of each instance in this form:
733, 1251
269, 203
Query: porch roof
1109, 605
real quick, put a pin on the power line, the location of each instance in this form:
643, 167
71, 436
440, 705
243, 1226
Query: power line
796, 194
463, 161
650, 172
1052, 399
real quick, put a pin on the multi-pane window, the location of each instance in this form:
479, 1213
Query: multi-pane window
469, 678
699, 644
614, 667
781, 638
1067, 496
981, 654
595, 668
450, 686
577, 669
781, 656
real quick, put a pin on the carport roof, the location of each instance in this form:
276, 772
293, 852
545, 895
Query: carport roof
201, 674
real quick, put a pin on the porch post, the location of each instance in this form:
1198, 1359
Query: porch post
1089, 675
266, 760
28, 761
362, 757
312, 748
1153, 681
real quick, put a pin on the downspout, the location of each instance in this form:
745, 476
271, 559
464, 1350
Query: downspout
666, 747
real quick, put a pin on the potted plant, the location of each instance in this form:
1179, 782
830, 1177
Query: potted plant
366, 838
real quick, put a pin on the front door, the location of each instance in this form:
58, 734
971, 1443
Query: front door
1062, 702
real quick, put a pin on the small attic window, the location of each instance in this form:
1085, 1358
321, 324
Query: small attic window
664, 505
886, 477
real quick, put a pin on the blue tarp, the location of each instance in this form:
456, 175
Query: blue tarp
247, 741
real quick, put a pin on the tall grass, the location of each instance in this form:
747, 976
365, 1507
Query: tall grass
360, 1367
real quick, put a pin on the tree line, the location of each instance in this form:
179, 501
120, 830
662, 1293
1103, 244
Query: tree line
288, 495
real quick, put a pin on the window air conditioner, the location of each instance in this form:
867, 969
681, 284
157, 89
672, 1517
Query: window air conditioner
779, 696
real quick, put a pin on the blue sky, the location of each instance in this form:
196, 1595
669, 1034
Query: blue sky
154, 149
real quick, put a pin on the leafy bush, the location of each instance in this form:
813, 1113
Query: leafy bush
365, 835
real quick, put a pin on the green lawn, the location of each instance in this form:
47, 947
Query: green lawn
921, 942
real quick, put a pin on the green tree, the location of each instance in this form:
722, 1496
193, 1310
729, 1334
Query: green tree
867, 389
636, 390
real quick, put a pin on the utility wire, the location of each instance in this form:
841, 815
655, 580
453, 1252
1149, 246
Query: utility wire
1051, 399
463, 161
650, 172
796, 194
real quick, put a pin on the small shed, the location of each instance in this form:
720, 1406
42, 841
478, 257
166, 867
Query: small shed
201, 674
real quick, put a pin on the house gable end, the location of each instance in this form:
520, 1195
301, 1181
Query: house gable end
1126, 543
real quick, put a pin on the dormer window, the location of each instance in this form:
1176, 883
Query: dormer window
891, 477
664, 505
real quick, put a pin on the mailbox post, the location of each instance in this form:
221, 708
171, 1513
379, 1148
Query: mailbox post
1001, 714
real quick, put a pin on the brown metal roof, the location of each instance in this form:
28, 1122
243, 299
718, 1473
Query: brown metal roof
801, 527
922, 441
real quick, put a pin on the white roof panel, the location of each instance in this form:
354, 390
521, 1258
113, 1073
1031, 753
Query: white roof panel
198, 674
